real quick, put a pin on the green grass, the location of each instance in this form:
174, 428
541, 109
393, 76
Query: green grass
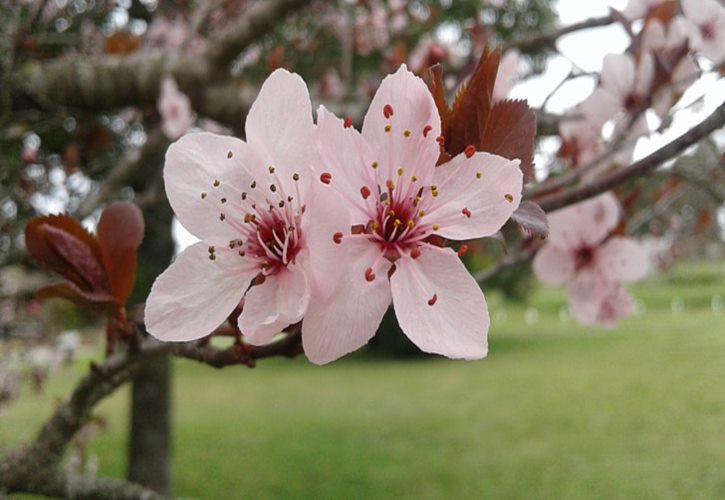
556, 411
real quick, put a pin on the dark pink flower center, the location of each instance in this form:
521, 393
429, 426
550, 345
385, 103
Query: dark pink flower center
583, 257
707, 30
266, 217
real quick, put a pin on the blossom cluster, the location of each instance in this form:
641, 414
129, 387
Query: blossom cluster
326, 225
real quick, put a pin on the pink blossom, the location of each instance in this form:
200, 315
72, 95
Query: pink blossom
259, 215
658, 37
399, 204
582, 254
507, 74
707, 30
177, 117
624, 83
425, 54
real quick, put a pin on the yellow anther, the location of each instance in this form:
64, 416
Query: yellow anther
414, 178
400, 172
397, 222
271, 169
406, 133
421, 213
375, 164
509, 198
203, 195
387, 127
411, 223
436, 227
479, 174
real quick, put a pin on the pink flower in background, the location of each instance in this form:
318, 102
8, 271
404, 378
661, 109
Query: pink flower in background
707, 29
625, 83
581, 254
507, 74
398, 202
258, 213
177, 117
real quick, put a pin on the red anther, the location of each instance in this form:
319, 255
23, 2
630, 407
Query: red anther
469, 151
441, 140
337, 237
415, 253
433, 299
390, 184
325, 177
365, 192
426, 129
348, 122
462, 250
466, 212
388, 111
369, 274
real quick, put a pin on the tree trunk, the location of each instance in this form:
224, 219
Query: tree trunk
149, 449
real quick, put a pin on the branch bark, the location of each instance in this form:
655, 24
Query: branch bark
549, 38
639, 168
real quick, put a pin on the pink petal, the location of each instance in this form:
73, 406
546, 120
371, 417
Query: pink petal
279, 124
439, 305
617, 74
616, 305
586, 294
587, 222
597, 109
477, 195
645, 74
327, 221
413, 110
623, 259
273, 305
195, 294
553, 265
343, 153
193, 165
351, 315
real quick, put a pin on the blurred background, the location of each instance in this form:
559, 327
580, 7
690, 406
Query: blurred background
93, 93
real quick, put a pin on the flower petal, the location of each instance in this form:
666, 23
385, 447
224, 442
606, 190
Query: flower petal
351, 315
279, 125
623, 259
586, 222
195, 294
618, 75
344, 153
326, 223
273, 305
199, 173
439, 305
477, 195
404, 103
553, 265
587, 291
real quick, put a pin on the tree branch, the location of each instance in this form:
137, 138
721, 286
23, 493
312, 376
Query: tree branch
639, 168
549, 38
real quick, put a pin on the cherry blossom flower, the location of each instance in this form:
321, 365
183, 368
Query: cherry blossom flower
401, 206
581, 254
174, 106
259, 215
707, 32
624, 83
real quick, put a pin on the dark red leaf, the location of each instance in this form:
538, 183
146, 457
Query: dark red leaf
470, 111
510, 132
120, 231
100, 302
532, 218
437, 89
60, 244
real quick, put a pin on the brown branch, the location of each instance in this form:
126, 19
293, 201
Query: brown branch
639, 168
248, 29
549, 38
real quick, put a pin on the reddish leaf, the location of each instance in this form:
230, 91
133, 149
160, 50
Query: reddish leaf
664, 12
120, 231
59, 243
470, 111
510, 132
92, 301
121, 43
532, 218
437, 89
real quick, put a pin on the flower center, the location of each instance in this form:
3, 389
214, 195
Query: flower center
267, 219
707, 30
583, 257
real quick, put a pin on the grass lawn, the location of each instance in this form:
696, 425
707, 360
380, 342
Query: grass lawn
556, 411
